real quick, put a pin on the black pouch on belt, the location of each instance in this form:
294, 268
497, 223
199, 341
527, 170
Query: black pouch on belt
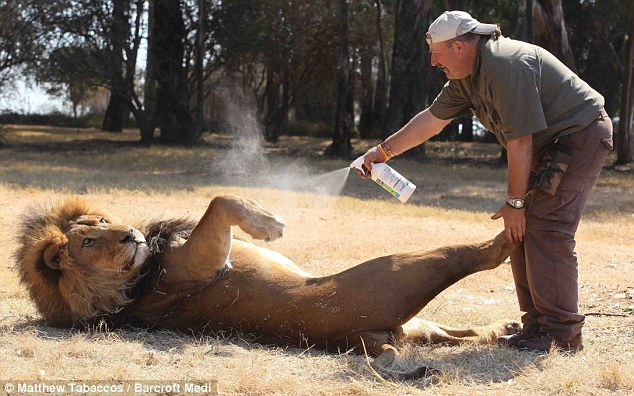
552, 167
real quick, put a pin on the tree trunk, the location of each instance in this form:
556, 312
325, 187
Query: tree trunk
198, 67
172, 102
410, 64
380, 92
148, 118
366, 120
550, 30
624, 143
119, 32
341, 145
525, 20
115, 113
276, 104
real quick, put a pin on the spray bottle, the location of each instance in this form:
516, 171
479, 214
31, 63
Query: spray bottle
386, 177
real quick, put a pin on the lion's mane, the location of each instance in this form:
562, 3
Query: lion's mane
86, 293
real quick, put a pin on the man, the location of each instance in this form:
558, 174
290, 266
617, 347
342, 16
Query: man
557, 136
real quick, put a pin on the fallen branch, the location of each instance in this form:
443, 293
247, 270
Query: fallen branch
605, 314
367, 360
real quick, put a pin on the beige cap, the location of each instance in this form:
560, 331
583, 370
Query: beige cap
452, 24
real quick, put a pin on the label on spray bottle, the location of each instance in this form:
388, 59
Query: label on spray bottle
392, 181
386, 177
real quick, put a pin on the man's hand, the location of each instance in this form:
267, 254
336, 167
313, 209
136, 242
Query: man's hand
514, 222
372, 156
520, 152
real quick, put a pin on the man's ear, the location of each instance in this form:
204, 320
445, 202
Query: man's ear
53, 254
458, 45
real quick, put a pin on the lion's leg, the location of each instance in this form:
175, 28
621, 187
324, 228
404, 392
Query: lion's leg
207, 249
421, 331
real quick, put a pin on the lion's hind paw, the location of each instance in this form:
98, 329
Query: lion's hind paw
509, 327
513, 327
504, 327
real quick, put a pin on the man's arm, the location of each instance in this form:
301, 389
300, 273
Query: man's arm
520, 152
418, 130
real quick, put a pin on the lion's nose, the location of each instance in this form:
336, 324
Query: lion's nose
127, 238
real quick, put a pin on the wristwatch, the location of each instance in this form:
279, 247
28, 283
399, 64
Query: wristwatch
516, 203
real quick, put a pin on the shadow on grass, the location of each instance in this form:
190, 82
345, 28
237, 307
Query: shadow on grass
465, 177
480, 365
174, 342
80, 166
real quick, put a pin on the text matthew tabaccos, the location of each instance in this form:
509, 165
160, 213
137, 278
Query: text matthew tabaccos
127, 387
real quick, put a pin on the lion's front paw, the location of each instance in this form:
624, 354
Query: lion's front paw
271, 228
249, 216
261, 224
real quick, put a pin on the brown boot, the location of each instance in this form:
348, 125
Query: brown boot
545, 342
528, 331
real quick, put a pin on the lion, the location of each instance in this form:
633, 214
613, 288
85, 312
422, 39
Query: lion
83, 268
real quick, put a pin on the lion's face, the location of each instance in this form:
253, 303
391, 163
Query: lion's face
78, 263
94, 244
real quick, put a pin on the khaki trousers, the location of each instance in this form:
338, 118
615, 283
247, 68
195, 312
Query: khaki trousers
545, 267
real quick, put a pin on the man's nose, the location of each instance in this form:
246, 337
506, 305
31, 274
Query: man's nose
434, 61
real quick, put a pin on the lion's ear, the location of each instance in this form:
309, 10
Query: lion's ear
53, 255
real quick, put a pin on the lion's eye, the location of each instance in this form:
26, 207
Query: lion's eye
87, 242
102, 220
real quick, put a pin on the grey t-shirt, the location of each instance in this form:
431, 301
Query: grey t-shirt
518, 89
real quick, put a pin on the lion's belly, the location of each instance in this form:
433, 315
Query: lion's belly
308, 313
266, 295
274, 261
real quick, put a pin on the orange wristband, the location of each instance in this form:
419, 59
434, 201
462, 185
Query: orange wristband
382, 152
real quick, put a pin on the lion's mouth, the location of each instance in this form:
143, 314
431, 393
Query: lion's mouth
141, 252
128, 266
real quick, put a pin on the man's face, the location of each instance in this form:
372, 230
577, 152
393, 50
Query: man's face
452, 59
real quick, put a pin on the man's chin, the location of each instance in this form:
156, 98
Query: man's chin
453, 76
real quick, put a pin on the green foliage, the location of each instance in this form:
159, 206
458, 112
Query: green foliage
284, 54
53, 119
23, 37
262, 38
67, 74
597, 32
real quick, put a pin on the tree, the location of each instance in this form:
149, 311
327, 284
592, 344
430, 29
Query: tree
23, 39
116, 38
368, 41
341, 146
148, 116
624, 143
599, 32
365, 40
110, 34
410, 61
381, 90
199, 72
549, 29
65, 77
284, 54
172, 95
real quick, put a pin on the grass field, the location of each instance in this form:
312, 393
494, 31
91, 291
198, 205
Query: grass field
332, 223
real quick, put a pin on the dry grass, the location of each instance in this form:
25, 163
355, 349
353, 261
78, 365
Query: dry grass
326, 232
